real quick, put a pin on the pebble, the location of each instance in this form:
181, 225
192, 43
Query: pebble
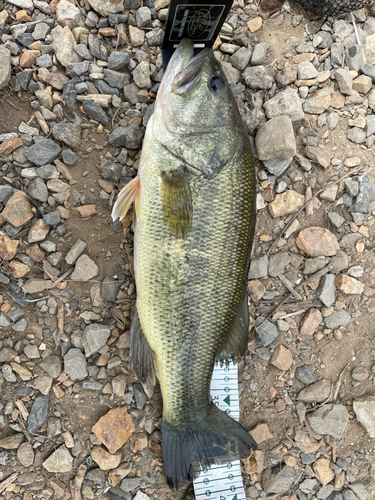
276, 139
306, 70
94, 337
43, 151
267, 332
282, 358
317, 242
319, 101
95, 112
258, 267
257, 77
39, 413
347, 284
277, 263
17, 211
286, 102
326, 290
25, 454
323, 471
259, 54
261, 433
360, 373
311, 321
85, 269
75, 364
305, 374
114, 429
331, 419
286, 203
104, 459
317, 392
337, 319
279, 479
59, 461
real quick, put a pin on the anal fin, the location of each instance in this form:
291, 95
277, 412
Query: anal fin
129, 193
142, 357
236, 345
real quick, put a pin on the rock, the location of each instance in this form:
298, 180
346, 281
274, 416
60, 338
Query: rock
85, 269
277, 263
331, 419
363, 199
25, 454
267, 331
310, 322
75, 251
347, 284
255, 24
137, 36
356, 135
119, 385
282, 358
69, 133
354, 58
68, 14
318, 155
241, 58
9, 145
38, 190
323, 471
8, 247
362, 84
141, 496
141, 75
38, 231
257, 78
105, 460
39, 412
95, 112
130, 484
11, 442
280, 479
63, 42
5, 192
359, 490
317, 241
286, 102
360, 373
364, 408
7, 354
17, 211
286, 203
319, 101
336, 319
5, 66
315, 393
107, 7
118, 60
138, 441
114, 428
306, 70
128, 137
52, 366
276, 139
261, 433
60, 461
326, 290
344, 81
305, 374
259, 54
75, 364
69, 157
43, 151
335, 219
286, 76
94, 337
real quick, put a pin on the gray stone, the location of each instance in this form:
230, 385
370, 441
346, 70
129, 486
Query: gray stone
52, 218
143, 17
326, 289
356, 271
69, 157
20, 326
332, 120
287, 102
41, 31
115, 78
5, 192
75, 364
128, 137
324, 492
155, 37
94, 45
359, 490
5, 66
39, 413
317, 392
141, 75
335, 219
118, 60
264, 353
306, 70
303, 48
336, 319
277, 166
109, 288
130, 483
259, 55
370, 122
276, 139
356, 135
257, 77
344, 81
318, 101
363, 198
267, 331
258, 267
354, 58
43, 151
69, 133
131, 93
280, 479
38, 190
94, 337
44, 61
77, 68
140, 397
104, 88
305, 374
241, 58
351, 187
75, 251
85, 269
92, 385
95, 112
278, 263
369, 70
331, 419
83, 52
52, 366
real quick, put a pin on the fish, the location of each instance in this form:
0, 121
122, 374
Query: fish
194, 199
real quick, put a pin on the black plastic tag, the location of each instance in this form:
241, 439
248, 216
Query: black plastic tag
198, 20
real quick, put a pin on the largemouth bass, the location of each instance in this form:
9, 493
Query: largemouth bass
195, 216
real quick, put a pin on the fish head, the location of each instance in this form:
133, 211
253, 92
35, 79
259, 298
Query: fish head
196, 117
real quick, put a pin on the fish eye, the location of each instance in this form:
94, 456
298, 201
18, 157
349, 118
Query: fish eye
216, 85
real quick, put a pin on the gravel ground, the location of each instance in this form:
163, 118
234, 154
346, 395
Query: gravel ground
78, 82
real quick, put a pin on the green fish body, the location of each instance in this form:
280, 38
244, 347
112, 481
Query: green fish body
195, 204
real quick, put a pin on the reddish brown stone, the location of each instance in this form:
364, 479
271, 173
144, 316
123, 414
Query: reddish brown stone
35, 252
108, 31
282, 358
337, 100
87, 210
114, 428
18, 210
317, 242
310, 322
28, 58
8, 247
348, 285
10, 145
19, 270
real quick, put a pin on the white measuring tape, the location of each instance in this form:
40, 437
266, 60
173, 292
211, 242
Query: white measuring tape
223, 482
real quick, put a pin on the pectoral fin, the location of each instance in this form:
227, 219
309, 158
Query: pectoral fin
177, 201
129, 193
237, 341
142, 357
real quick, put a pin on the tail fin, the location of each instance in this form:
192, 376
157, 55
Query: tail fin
217, 438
